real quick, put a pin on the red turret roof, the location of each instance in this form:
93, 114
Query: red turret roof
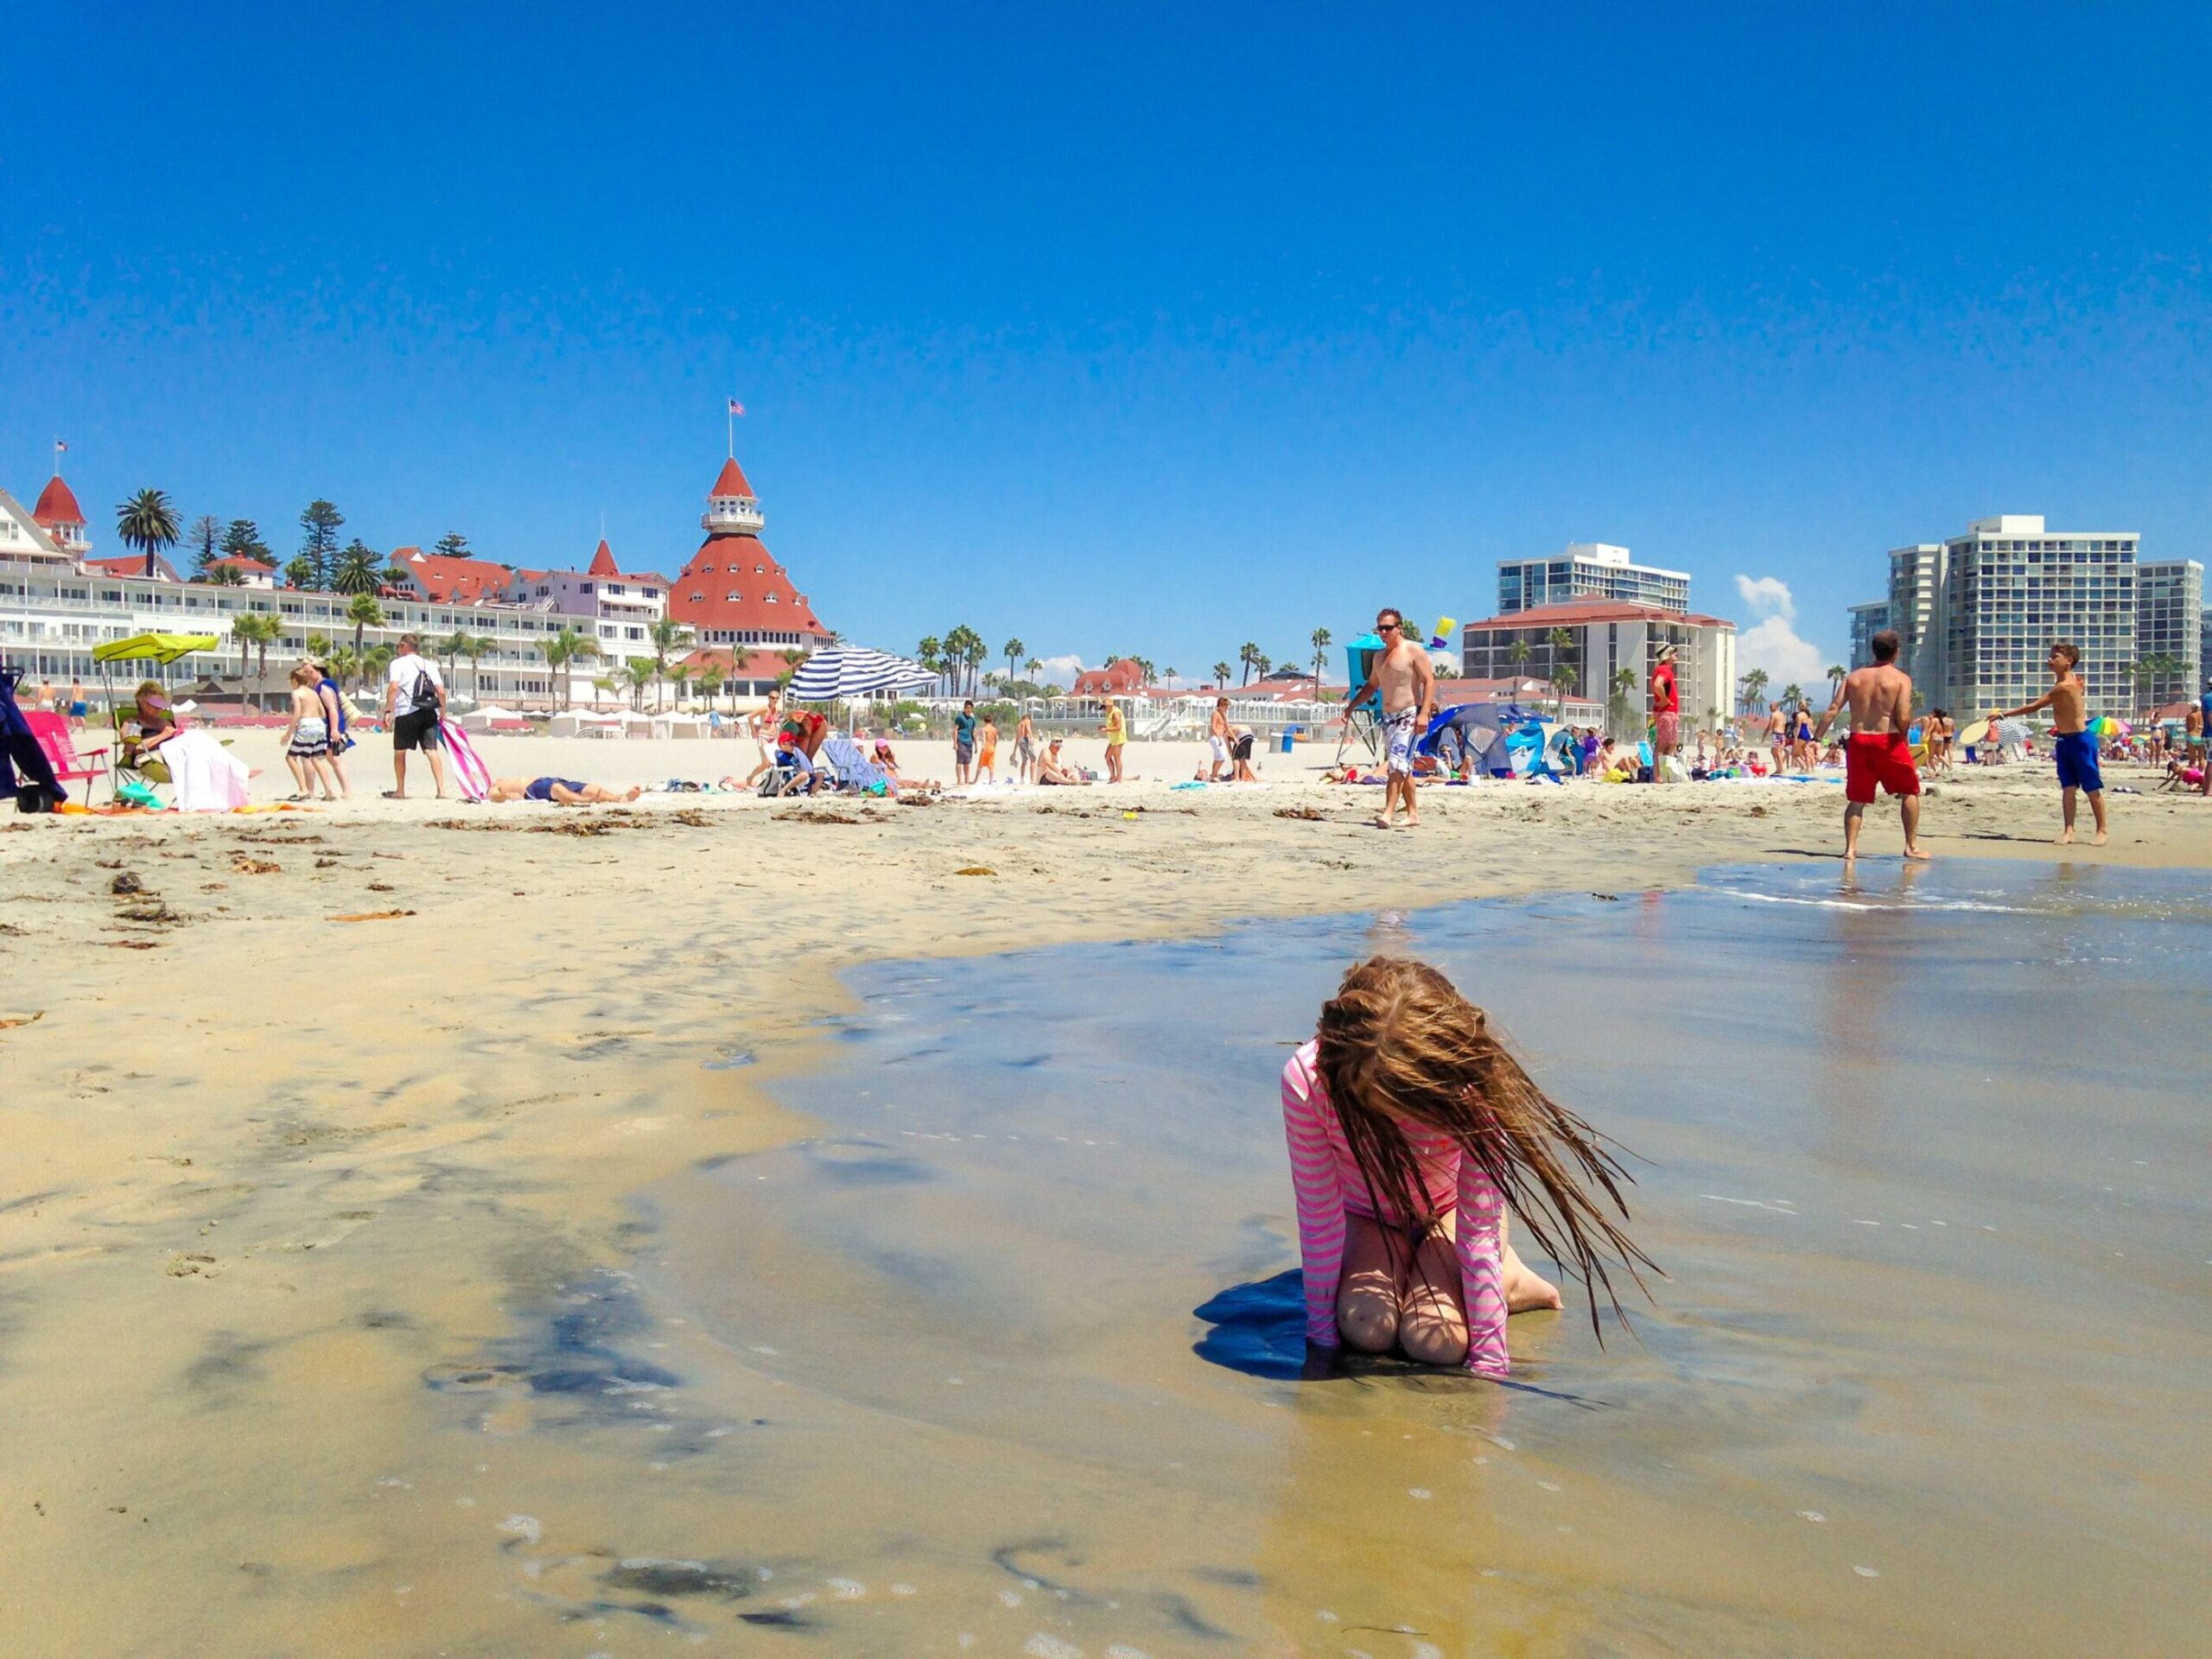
732, 481
453, 582
602, 561
734, 581
57, 506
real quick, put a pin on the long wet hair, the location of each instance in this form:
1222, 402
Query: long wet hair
1399, 1045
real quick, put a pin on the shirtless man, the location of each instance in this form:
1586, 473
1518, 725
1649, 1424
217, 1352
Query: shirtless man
1879, 755
1407, 685
1777, 736
2076, 749
1218, 736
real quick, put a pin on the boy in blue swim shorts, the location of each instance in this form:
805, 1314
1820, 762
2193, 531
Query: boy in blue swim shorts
2076, 747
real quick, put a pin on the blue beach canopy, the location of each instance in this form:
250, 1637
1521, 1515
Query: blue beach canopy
1359, 657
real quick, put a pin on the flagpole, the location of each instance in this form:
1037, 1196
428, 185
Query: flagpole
729, 420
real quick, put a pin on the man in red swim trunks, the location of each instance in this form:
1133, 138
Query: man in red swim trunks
1879, 755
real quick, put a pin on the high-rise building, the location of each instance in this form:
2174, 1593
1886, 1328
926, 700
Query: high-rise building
1915, 596
1866, 621
2170, 629
2011, 587
1588, 571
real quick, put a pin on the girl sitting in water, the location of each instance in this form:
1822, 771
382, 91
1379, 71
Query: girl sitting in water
1411, 1130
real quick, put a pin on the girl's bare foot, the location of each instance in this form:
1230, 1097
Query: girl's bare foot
2097, 839
1524, 1290
2065, 838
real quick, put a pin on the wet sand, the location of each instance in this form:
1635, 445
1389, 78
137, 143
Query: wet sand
311, 1251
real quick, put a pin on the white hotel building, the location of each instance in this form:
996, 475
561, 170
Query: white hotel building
57, 599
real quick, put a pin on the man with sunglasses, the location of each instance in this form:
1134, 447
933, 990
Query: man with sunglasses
1406, 684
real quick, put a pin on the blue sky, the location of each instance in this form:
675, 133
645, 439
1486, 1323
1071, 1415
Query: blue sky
1126, 328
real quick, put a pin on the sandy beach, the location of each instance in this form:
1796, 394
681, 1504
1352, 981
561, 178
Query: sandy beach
309, 1110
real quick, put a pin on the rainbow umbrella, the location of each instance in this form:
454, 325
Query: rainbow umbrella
2106, 726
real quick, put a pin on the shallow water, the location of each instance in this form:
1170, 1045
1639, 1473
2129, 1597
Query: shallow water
1006, 1356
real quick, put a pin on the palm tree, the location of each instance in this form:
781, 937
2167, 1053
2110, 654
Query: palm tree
454, 646
262, 630
1561, 641
1321, 641
565, 647
665, 636
363, 612
375, 661
1837, 674
147, 522
1620, 714
606, 685
221, 575
1518, 654
1755, 684
358, 569
476, 647
343, 661
641, 672
1249, 658
1793, 697
300, 572
927, 653
680, 678
1562, 688
1221, 673
1032, 667
1013, 651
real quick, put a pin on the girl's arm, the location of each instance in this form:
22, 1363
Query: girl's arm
1320, 1207
1481, 1275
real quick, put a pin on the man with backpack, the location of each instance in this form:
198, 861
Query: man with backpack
414, 702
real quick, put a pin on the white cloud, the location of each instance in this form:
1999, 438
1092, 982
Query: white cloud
1059, 670
1767, 596
1771, 643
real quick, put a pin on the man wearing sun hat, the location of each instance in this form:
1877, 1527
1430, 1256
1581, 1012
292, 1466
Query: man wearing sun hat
1666, 713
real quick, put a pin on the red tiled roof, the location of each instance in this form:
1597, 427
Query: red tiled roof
134, 564
247, 566
453, 582
1119, 678
1576, 611
602, 561
700, 597
732, 480
57, 505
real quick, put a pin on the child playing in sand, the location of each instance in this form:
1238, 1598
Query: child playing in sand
2074, 748
1411, 1132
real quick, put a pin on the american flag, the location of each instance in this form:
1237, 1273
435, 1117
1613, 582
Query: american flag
736, 408
58, 445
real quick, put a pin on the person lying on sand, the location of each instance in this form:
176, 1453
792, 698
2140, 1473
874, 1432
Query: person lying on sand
1410, 1128
560, 792
1051, 769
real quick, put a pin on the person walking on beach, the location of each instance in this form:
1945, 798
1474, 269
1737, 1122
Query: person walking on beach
335, 717
414, 702
1024, 749
78, 707
2075, 749
1777, 728
1217, 740
1411, 1131
1880, 755
1117, 737
964, 743
1666, 714
307, 738
1407, 686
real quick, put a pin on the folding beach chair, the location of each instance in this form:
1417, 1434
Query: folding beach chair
852, 772
60, 745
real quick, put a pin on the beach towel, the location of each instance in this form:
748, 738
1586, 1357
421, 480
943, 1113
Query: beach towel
470, 773
207, 778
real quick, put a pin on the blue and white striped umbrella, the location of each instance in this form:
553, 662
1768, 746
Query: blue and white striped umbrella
839, 671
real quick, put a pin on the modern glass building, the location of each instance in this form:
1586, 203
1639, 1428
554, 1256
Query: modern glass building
1866, 621
2170, 627
1588, 571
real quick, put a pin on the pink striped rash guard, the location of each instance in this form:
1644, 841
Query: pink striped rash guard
1328, 1186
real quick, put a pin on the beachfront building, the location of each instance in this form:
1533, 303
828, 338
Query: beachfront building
2011, 587
2204, 651
615, 608
2168, 630
1604, 637
1866, 621
1976, 614
733, 593
58, 514
1588, 571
